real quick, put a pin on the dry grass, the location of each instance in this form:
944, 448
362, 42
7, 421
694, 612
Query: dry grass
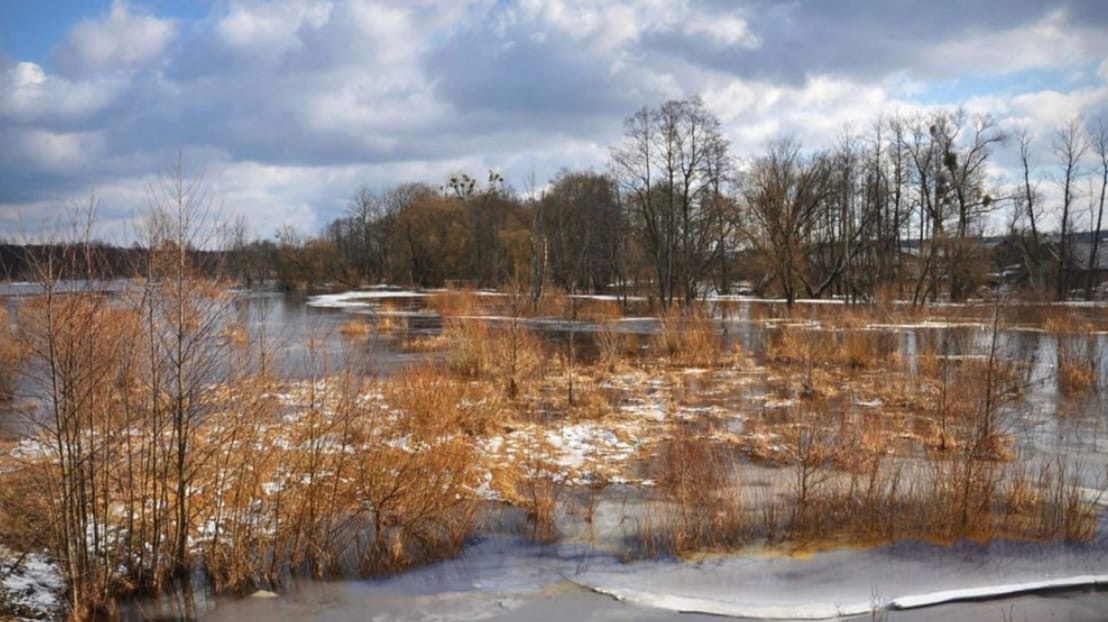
882, 501
355, 476
11, 357
509, 355
354, 328
434, 401
616, 348
701, 511
688, 339
1077, 373
1058, 320
428, 343
598, 310
455, 303
322, 479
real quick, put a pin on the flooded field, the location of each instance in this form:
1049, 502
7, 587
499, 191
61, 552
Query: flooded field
791, 410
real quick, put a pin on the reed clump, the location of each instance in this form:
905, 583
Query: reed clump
1076, 367
688, 339
11, 357
616, 349
509, 354
1060, 320
355, 328
541, 487
454, 303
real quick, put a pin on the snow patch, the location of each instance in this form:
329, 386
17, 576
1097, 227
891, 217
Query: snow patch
30, 589
358, 299
689, 604
996, 591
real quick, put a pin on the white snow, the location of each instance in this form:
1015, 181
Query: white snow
996, 591
846, 583
577, 443
687, 604
34, 587
358, 298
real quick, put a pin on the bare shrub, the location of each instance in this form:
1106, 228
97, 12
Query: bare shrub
11, 356
1076, 367
702, 510
615, 347
355, 328
688, 339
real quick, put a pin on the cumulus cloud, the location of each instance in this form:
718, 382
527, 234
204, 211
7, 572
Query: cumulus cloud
29, 96
289, 106
122, 40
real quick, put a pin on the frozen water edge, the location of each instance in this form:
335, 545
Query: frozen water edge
685, 604
502, 578
997, 591
846, 583
359, 298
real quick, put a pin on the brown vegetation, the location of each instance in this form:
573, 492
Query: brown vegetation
11, 355
350, 475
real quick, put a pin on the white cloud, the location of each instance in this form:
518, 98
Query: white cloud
54, 152
268, 31
122, 40
723, 29
1051, 42
28, 94
291, 105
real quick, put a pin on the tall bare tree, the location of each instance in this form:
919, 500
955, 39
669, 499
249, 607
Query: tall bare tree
671, 167
784, 193
1070, 144
1100, 148
183, 314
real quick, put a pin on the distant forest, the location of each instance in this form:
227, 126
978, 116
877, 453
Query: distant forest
898, 209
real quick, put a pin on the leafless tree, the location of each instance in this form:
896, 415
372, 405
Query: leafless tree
671, 167
784, 194
1069, 146
1100, 148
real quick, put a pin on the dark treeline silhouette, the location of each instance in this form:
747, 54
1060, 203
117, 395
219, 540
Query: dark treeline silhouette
19, 262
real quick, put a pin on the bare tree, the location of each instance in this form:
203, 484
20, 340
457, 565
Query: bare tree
1030, 194
1069, 147
671, 167
183, 314
784, 194
1100, 148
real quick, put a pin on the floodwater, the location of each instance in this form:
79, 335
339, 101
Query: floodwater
500, 576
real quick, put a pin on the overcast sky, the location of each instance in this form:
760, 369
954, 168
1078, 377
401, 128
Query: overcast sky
287, 107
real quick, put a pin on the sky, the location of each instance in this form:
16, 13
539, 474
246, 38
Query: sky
283, 109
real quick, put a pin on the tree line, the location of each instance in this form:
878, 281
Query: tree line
898, 208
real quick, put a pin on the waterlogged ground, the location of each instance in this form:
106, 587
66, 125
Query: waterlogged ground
509, 579
744, 404
587, 576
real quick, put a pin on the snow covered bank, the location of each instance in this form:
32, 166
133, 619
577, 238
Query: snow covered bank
30, 588
997, 591
848, 583
685, 604
359, 299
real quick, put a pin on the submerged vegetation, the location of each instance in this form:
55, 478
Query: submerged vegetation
170, 447
167, 444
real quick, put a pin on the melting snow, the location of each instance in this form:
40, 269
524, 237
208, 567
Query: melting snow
31, 589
